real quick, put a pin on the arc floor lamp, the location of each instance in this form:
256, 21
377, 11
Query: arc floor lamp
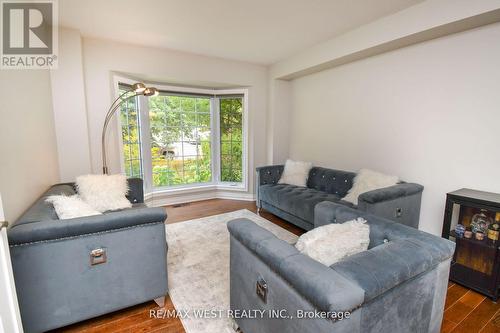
137, 89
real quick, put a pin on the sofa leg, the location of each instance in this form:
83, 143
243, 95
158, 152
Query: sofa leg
258, 210
160, 301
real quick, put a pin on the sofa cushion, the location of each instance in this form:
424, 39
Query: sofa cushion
295, 173
104, 192
368, 180
70, 207
331, 243
296, 200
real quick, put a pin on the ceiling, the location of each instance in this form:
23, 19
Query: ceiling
257, 31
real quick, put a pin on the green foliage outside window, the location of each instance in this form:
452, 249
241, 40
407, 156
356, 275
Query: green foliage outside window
131, 138
231, 139
180, 140
181, 134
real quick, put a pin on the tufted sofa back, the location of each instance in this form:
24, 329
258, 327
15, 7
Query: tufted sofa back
330, 181
396, 253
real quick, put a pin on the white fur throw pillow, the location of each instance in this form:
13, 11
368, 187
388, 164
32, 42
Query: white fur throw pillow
70, 207
104, 192
368, 180
333, 242
295, 173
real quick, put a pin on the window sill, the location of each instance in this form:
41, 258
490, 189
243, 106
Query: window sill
197, 189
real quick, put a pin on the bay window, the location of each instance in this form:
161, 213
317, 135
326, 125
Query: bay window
185, 138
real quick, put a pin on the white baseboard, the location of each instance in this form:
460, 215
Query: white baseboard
164, 199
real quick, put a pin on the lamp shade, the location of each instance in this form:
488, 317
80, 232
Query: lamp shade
139, 87
150, 91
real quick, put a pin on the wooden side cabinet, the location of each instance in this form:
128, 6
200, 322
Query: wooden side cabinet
476, 263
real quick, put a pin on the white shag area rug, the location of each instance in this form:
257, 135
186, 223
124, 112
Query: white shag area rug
198, 267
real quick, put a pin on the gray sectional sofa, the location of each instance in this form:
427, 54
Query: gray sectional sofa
398, 285
296, 204
71, 270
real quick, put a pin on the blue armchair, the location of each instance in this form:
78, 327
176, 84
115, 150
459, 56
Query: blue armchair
71, 270
398, 285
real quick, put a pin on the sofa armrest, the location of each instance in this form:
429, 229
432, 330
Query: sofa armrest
390, 193
56, 229
321, 286
269, 174
399, 203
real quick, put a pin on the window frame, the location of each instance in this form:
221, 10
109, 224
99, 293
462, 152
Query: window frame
143, 110
243, 133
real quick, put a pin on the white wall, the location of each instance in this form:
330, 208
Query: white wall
422, 22
28, 164
278, 113
103, 58
70, 114
428, 112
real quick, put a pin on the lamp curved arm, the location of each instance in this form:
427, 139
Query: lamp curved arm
114, 106
110, 110
116, 100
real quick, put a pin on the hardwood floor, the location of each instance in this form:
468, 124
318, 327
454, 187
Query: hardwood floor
465, 310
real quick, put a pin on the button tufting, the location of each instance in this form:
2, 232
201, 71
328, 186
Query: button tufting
333, 178
345, 181
386, 240
269, 172
323, 176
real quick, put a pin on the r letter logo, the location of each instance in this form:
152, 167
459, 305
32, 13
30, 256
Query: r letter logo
29, 34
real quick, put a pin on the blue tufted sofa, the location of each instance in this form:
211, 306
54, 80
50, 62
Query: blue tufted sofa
296, 204
398, 285
58, 279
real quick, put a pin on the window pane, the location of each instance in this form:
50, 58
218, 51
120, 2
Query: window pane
129, 119
162, 176
231, 144
203, 119
172, 118
203, 105
180, 140
225, 147
188, 104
